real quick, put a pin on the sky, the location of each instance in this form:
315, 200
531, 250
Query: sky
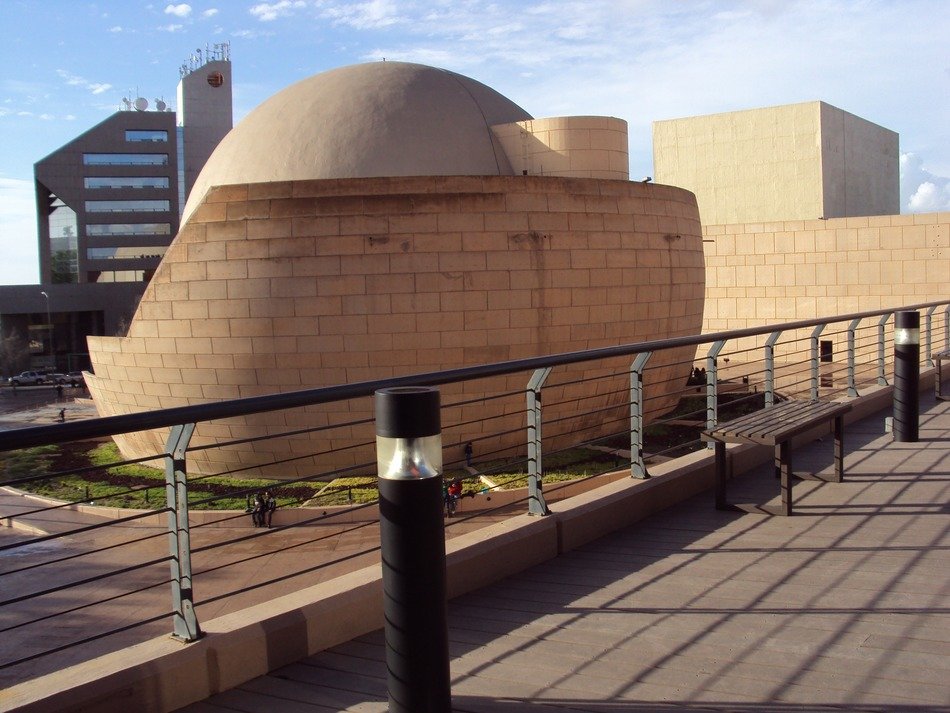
66, 65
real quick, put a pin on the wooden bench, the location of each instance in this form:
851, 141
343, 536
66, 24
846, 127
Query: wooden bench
776, 426
938, 359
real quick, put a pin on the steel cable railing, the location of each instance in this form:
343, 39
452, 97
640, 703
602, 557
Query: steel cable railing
583, 413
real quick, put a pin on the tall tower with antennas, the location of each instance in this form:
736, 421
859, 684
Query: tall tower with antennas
204, 113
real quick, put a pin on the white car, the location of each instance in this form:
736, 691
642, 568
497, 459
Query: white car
28, 377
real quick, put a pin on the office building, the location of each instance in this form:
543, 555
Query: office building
108, 206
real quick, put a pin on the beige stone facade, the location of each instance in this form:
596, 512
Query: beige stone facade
762, 273
795, 162
574, 146
285, 286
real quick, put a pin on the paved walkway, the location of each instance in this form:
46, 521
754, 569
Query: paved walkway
845, 606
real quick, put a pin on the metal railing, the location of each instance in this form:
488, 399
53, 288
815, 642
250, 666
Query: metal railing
68, 563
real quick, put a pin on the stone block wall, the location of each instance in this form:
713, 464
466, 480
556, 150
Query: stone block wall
760, 273
571, 146
286, 286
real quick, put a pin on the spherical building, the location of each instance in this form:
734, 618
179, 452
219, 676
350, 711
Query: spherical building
388, 219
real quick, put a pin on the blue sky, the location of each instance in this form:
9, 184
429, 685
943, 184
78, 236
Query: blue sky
66, 65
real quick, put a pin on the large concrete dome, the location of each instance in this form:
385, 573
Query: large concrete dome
364, 121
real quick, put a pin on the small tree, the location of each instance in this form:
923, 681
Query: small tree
14, 353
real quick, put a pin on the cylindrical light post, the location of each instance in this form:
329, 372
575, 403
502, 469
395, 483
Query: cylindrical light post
906, 376
49, 323
412, 534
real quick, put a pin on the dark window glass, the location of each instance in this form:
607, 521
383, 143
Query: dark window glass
129, 229
143, 206
63, 248
125, 159
146, 135
125, 182
126, 253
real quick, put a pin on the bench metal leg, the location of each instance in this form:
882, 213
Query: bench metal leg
839, 449
783, 457
721, 476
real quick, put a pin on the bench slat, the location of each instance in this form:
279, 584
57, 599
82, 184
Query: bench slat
777, 423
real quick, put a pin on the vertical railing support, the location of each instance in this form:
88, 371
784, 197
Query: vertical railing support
852, 360
186, 625
536, 504
815, 377
637, 467
712, 387
770, 368
881, 373
928, 336
946, 329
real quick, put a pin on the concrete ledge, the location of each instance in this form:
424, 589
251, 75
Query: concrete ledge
591, 515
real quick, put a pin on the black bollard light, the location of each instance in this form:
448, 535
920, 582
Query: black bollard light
409, 461
906, 376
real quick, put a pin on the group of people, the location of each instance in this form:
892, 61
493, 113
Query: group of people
262, 512
451, 492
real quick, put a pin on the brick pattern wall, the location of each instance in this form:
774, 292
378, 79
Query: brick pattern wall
759, 273
571, 146
287, 286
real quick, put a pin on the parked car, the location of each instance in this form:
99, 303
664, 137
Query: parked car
34, 378
54, 377
75, 378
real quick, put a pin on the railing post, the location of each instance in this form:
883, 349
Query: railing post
881, 374
816, 332
770, 368
536, 504
852, 361
712, 387
186, 625
637, 468
928, 336
946, 329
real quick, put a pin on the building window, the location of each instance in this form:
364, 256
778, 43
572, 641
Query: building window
125, 159
128, 229
146, 135
125, 182
144, 206
63, 246
118, 276
126, 253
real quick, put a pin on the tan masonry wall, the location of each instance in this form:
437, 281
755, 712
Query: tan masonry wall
571, 146
286, 286
757, 273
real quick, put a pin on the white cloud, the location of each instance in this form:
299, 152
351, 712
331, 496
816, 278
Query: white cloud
180, 10
922, 191
169, 28
210, 12
74, 80
115, 28
266, 12
18, 232
365, 15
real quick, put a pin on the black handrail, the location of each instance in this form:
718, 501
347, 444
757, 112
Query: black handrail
164, 418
